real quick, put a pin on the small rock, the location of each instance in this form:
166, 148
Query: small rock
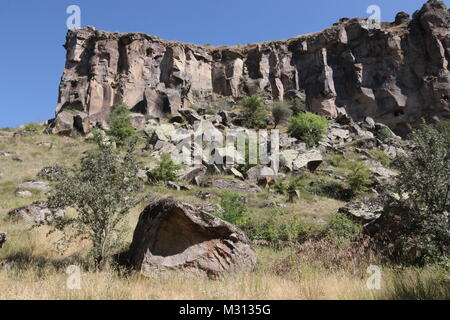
40, 185
23, 193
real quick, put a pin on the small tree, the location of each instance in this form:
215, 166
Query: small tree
102, 190
165, 171
359, 178
308, 127
280, 112
419, 221
255, 113
297, 106
233, 210
121, 129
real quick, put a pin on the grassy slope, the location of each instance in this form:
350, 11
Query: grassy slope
37, 271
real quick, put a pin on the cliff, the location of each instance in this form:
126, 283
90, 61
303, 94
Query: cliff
393, 72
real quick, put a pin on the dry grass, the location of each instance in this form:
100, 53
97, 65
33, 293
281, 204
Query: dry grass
31, 268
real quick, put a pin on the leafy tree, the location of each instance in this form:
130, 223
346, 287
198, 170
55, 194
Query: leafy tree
102, 189
281, 112
165, 171
121, 129
419, 220
297, 106
341, 229
359, 178
233, 209
255, 114
308, 127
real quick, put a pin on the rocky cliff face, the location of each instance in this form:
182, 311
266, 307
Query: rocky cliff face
394, 72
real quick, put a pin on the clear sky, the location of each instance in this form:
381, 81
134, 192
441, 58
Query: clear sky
32, 33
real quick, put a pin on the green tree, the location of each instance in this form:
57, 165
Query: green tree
297, 106
255, 113
281, 112
102, 189
308, 127
233, 210
419, 220
166, 170
359, 178
121, 129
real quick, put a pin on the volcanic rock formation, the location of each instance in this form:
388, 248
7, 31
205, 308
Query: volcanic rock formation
394, 72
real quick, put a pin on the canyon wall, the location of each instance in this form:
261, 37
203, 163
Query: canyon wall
394, 72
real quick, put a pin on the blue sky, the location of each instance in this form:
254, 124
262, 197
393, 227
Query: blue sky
32, 34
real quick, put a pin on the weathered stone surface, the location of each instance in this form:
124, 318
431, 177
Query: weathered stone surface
37, 212
365, 210
23, 193
395, 73
232, 184
3, 238
176, 235
63, 123
41, 185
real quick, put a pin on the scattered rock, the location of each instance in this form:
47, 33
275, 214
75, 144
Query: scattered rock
37, 212
40, 185
23, 193
233, 185
365, 210
176, 235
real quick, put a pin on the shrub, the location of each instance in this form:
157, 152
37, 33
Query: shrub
281, 112
342, 230
381, 156
121, 129
384, 134
297, 106
275, 229
233, 209
419, 220
329, 188
33, 127
165, 171
308, 127
102, 190
359, 178
255, 113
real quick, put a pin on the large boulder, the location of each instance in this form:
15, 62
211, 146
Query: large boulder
175, 235
63, 123
37, 212
224, 183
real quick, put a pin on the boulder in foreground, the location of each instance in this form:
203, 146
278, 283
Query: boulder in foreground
174, 235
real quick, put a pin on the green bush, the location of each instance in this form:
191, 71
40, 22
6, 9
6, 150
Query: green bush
281, 112
341, 229
308, 127
384, 134
359, 178
33, 127
255, 113
381, 156
166, 170
233, 209
276, 229
330, 189
297, 106
120, 125
419, 221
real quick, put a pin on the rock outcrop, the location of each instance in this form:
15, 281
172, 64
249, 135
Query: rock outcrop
395, 72
175, 235
37, 212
